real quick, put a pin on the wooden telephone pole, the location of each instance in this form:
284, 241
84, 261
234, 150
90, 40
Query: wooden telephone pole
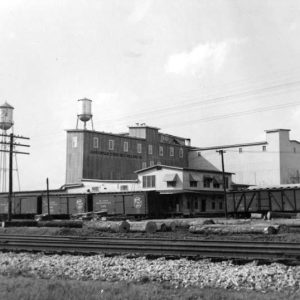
221, 152
11, 151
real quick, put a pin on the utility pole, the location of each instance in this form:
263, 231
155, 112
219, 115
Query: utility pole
221, 152
47, 182
10, 179
11, 151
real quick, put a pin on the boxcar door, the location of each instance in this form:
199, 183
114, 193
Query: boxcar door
203, 205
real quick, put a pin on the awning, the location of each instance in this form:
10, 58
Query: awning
194, 177
170, 177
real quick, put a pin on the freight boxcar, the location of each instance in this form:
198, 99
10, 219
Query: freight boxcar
128, 204
262, 200
62, 205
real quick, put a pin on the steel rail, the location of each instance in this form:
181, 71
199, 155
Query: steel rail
182, 248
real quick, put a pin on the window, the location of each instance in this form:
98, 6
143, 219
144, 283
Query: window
95, 142
159, 162
161, 151
171, 151
193, 183
150, 149
144, 165
171, 183
139, 148
125, 146
111, 145
74, 142
206, 181
264, 148
294, 150
216, 184
149, 181
151, 163
124, 187
240, 150
213, 205
181, 153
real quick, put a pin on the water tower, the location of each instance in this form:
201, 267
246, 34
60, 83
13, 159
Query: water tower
6, 123
85, 112
6, 116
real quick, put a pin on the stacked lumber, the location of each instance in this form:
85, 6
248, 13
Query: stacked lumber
109, 226
143, 226
234, 229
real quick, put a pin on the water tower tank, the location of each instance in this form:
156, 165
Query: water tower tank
84, 109
6, 116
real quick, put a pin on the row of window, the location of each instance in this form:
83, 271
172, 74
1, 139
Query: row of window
149, 182
111, 146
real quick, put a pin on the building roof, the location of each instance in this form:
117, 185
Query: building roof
231, 146
276, 130
106, 133
108, 181
184, 191
6, 105
159, 167
144, 126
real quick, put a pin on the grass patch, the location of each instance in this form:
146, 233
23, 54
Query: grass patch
12, 288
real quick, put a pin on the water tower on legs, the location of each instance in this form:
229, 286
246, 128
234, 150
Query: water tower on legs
85, 112
6, 124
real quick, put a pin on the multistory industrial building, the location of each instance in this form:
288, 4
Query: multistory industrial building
273, 161
106, 156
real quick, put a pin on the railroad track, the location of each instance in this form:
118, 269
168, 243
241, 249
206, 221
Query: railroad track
221, 249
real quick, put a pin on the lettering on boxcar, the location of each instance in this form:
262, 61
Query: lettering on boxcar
137, 202
79, 205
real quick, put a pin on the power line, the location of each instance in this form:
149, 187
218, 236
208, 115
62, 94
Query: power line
187, 105
237, 114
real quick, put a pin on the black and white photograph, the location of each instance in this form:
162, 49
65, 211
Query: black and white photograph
149, 149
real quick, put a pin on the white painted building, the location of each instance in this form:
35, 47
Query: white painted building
271, 162
189, 191
181, 190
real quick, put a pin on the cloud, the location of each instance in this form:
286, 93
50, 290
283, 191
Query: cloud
132, 54
203, 57
140, 10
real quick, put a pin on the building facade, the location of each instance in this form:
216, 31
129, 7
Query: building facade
181, 191
271, 162
106, 156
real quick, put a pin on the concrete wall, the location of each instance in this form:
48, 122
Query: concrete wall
289, 159
74, 160
278, 164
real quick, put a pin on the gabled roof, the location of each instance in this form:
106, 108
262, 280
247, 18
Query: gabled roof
159, 167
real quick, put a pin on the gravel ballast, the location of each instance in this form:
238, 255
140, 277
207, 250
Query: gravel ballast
179, 273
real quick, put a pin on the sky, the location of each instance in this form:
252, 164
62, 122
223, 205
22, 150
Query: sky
217, 72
